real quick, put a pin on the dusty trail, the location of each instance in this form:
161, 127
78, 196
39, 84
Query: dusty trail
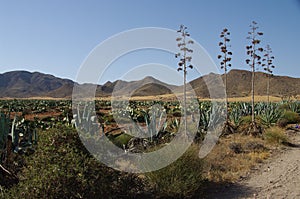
279, 178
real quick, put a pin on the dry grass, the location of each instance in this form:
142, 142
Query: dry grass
225, 164
166, 97
172, 97
275, 135
256, 98
35, 98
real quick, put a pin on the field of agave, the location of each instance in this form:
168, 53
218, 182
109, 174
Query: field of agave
159, 120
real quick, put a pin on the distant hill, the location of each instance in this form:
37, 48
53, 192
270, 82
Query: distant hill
23, 84
148, 86
239, 84
151, 89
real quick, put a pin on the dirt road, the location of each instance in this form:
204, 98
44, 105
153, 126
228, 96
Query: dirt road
279, 177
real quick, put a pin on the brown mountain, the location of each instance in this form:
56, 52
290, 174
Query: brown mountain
23, 84
146, 87
239, 84
151, 89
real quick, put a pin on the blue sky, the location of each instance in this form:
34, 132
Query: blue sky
56, 36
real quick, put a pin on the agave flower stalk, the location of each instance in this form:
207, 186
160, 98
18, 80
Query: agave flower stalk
184, 62
254, 58
225, 57
268, 66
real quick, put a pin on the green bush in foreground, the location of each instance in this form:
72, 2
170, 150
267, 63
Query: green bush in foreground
62, 168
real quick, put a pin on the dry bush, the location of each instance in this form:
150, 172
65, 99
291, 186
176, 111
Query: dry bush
282, 122
234, 157
275, 135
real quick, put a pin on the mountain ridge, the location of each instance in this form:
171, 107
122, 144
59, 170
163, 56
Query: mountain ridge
24, 84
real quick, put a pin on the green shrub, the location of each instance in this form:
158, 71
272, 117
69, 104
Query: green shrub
291, 117
246, 119
275, 135
180, 179
121, 139
63, 168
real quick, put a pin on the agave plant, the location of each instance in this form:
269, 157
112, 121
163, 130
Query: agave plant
270, 115
246, 108
294, 106
86, 120
235, 115
174, 124
205, 113
155, 120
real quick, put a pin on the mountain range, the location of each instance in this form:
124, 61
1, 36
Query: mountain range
24, 84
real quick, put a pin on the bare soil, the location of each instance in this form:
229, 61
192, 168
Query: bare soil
278, 177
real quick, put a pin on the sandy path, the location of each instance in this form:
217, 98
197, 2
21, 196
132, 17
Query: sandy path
279, 178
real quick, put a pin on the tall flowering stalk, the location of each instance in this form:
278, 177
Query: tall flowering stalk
184, 62
268, 67
254, 60
225, 58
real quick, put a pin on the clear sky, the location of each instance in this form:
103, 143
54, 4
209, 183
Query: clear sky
56, 36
